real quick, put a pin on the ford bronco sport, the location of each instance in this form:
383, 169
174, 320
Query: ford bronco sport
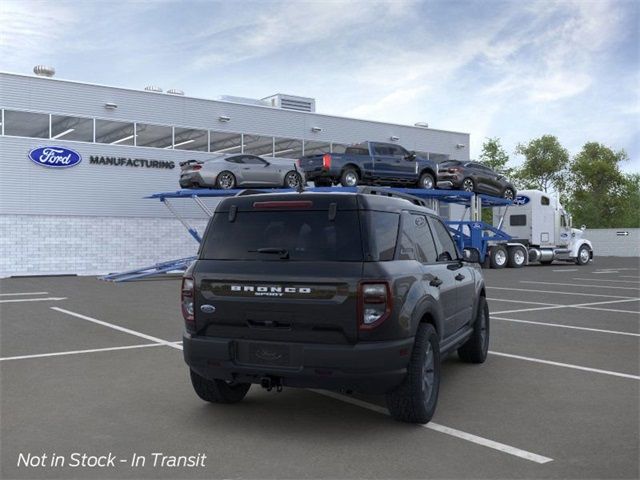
354, 292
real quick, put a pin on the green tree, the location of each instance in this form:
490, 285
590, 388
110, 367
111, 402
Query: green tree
494, 156
545, 164
600, 195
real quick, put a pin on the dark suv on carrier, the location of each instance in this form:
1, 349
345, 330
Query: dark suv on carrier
354, 292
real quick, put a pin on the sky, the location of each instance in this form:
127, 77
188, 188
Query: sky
509, 69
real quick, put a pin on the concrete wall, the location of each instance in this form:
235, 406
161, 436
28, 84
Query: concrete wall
607, 242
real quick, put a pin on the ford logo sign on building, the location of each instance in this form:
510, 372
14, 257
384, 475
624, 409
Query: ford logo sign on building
55, 157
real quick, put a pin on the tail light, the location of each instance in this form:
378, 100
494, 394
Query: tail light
187, 297
375, 303
298, 163
326, 161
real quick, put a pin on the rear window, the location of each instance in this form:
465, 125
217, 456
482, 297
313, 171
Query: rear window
356, 151
304, 235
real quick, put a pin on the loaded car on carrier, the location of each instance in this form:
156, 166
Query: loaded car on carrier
354, 292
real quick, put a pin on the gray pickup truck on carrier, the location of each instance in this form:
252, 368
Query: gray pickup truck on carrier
370, 163
353, 292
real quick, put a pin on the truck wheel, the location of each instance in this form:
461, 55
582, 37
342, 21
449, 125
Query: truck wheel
349, 178
415, 399
226, 180
475, 349
517, 257
584, 255
218, 391
426, 181
499, 256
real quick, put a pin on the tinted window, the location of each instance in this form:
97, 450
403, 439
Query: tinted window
544, 201
26, 124
72, 128
416, 241
157, 136
305, 235
382, 228
356, 151
446, 249
250, 159
382, 150
517, 220
398, 151
235, 159
113, 132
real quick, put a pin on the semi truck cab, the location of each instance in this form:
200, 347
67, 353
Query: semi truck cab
538, 221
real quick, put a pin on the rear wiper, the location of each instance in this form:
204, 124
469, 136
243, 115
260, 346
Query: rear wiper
283, 252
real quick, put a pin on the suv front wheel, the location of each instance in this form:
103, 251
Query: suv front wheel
415, 400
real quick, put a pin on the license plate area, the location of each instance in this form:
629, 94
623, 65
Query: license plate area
268, 354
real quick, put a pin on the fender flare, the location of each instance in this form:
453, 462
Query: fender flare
580, 243
428, 306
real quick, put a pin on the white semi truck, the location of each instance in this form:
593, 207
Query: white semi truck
541, 231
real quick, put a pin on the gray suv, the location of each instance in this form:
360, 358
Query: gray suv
353, 292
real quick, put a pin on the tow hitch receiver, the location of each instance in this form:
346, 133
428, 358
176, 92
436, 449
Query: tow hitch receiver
269, 383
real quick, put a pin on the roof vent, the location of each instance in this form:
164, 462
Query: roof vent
153, 88
175, 91
44, 71
292, 102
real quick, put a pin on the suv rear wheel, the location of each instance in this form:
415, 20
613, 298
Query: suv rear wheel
475, 349
415, 400
218, 391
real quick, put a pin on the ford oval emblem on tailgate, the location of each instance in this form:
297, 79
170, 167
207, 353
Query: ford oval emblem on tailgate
207, 308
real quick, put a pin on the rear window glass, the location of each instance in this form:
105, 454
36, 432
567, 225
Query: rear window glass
304, 235
383, 234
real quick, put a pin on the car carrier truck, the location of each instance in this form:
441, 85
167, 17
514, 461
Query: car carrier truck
540, 230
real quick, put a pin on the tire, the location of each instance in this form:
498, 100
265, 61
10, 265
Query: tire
218, 391
426, 181
508, 193
584, 255
292, 180
475, 349
546, 262
225, 180
415, 399
349, 178
499, 256
517, 257
468, 185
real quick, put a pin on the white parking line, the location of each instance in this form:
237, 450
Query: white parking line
560, 293
581, 285
76, 352
566, 365
119, 328
628, 276
48, 299
577, 305
605, 280
23, 293
469, 437
566, 270
522, 301
573, 327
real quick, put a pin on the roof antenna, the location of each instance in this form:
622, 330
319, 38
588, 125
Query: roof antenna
300, 187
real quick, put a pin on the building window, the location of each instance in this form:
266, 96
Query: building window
287, 148
224, 142
157, 136
316, 148
190, 139
26, 124
71, 128
114, 133
258, 145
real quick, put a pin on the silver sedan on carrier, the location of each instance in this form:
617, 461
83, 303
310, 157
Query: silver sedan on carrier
240, 170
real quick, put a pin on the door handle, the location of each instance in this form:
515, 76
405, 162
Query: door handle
435, 282
459, 277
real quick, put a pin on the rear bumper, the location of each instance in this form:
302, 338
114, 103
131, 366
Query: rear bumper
188, 180
372, 367
445, 184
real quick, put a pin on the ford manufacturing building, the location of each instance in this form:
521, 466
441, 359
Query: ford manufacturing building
92, 218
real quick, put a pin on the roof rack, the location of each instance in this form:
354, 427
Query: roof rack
387, 192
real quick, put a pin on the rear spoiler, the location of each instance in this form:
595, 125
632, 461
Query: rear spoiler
189, 162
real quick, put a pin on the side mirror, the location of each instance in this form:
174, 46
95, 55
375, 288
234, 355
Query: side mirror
410, 156
471, 255
583, 227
